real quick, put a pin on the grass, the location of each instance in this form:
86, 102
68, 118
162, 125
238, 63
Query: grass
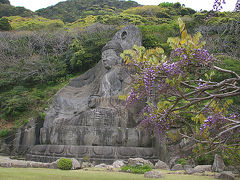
55, 174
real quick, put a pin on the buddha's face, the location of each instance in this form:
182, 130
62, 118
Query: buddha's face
110, 58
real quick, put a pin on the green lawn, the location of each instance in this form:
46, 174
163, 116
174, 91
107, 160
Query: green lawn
55, 174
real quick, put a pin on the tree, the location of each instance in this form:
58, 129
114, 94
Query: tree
180, 90
4, 2
4, 24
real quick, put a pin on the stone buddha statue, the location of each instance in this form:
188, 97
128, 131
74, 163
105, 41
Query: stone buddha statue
86, 118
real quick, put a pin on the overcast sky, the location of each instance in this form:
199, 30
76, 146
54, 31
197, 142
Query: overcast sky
194, 4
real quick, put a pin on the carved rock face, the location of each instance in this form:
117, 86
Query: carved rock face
110, 58
86, 117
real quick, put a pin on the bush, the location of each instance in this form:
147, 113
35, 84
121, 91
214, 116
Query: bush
156, 36
138, 169
14, 101
4, 132
85, 50
205, 159
4, 24
181, 161
64, 164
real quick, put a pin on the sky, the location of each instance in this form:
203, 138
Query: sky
194, 4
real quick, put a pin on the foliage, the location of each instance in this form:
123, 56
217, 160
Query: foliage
35, 23
16, 104
83, 22
176, 9
167, 4
149, 10
182, 161
204, 159
8, 10
4, 2
70, 11
4, 24
4, 132
32, 56
85, 50
221, 33
227, 62
138, 169
156, 36
164, 10
179, 90
34, 65
64, 164
124, 18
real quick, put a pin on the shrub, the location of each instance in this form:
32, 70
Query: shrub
64, 164
85, 51
138, 169
156, 36
4, 24
181, 161
4, 132
204, 159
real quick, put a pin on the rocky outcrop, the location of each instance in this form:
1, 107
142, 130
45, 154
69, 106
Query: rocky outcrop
118, 164
188, 169
202, 168
153, 174
7, 162
226, 175
161, 165
218, 164
177, 167
86, 118
139, 161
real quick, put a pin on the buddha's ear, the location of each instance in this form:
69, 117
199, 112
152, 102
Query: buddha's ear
124, 35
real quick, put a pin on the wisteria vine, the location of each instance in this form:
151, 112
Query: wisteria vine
181, 84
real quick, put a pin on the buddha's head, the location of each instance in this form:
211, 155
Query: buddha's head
111, 54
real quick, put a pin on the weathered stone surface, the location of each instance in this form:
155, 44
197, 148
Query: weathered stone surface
75, 164
139, 161
87, 165
98, 154
226, 175
53, 165
161, 165
233, 169
218, 164
173, 160
86, 118
202, 168
102, 165
19, 164
5, 164
177, 167
188, 169
118, 164
109, 167
153, 174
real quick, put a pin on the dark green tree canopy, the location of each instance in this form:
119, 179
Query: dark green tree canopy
8, 10
72, 10
4, 2
4, 24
